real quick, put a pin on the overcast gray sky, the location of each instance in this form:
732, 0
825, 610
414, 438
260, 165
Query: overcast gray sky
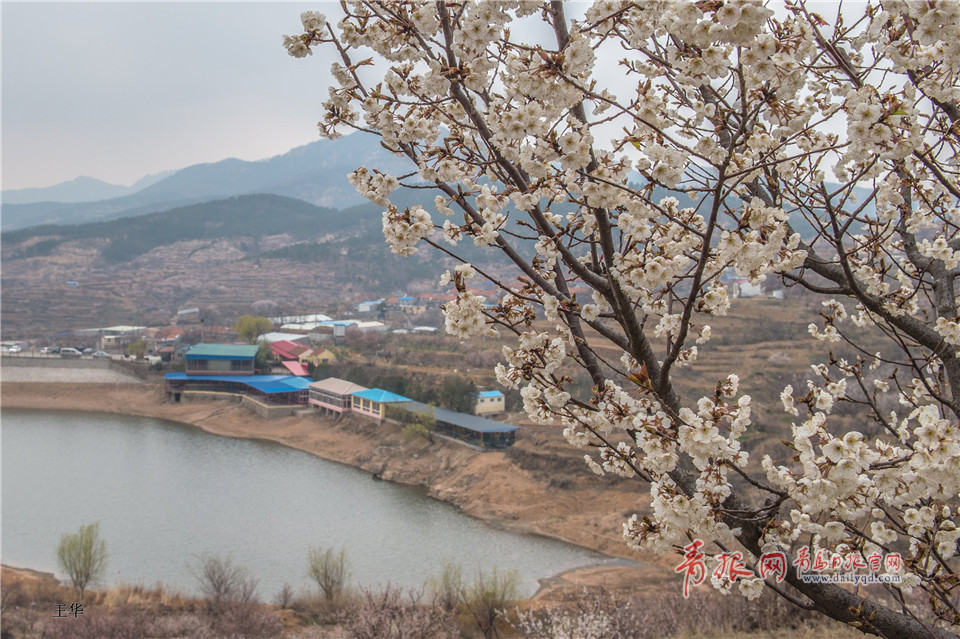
120, 90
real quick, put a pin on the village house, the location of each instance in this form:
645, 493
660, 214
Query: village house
373, 402
212, 359
371, 327
369, 306
411, 305
113, 337
285, 350
489, 402
317, 356
333, 395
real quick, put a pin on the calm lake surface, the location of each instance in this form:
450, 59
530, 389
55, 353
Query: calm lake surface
165, 494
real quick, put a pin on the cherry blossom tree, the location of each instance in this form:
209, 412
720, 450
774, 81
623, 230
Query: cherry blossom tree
554, 136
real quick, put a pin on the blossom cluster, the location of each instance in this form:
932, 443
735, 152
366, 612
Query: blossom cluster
628, 161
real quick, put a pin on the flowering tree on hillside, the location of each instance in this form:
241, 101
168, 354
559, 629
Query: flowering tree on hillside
534, 128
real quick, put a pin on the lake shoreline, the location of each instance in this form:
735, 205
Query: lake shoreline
484, 485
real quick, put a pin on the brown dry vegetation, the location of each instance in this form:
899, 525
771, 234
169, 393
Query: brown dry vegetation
30, 601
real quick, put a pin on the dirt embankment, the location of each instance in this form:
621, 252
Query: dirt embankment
507, 488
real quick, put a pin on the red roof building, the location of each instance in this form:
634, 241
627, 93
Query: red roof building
286, 350
296, 368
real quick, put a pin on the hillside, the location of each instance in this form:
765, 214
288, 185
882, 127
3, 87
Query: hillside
225, 255
128, 238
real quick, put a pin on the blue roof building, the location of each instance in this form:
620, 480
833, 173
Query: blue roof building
380, 395
373, 402
472, 429
286, 390
225, 359
489, 402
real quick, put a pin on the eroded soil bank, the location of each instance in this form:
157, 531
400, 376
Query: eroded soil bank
520, 489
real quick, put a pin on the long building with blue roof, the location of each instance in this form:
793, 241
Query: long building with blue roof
270, 389
228, 369
472, 429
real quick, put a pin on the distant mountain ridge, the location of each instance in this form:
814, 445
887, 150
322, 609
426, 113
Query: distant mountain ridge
80, 189
130, 237
315, 173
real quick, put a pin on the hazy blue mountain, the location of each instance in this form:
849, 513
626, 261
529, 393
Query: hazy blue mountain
81, 189
315, 173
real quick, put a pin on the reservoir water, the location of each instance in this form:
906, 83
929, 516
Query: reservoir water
166, 494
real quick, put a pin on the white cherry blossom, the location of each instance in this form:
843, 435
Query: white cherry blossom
628, 163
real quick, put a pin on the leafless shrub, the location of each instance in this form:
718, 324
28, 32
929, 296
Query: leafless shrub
284, 597
329, 570
221, 581
236, 620
487, 597
391, 614
232, 603
447, 587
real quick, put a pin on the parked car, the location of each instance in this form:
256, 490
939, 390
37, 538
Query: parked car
88, 351
102, 355
49, 350
14, 349
69, 352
